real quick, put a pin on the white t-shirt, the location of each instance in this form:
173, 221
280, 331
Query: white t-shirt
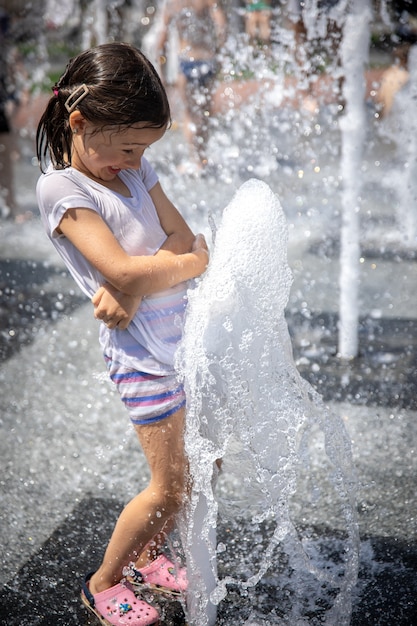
150, 342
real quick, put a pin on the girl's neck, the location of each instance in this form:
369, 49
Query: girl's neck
116, 184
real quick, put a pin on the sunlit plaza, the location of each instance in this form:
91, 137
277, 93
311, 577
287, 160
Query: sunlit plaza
324, 116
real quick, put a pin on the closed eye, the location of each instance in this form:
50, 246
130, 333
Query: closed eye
129, 151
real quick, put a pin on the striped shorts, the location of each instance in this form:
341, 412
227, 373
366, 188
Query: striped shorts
147, 397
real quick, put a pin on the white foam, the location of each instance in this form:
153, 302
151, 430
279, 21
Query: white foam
248, 406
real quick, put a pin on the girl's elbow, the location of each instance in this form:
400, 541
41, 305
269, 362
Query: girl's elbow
128, 284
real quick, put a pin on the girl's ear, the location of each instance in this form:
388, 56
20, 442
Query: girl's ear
77, 122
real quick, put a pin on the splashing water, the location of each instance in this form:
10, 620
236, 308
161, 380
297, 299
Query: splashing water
285, 458
408, 190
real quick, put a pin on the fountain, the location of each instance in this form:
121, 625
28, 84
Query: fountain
354, 54
249, 407
280, 537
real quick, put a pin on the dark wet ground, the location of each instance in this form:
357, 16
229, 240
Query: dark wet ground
26, 309
45, 591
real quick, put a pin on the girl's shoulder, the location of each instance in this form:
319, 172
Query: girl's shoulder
145, 176
69, 173
50, 177
55, 185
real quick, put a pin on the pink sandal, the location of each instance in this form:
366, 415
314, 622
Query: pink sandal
160, 575
118, 606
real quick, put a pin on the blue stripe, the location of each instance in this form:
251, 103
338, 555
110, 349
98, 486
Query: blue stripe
157, 396
150, 420
150, 315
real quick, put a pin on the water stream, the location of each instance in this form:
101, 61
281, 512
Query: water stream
354, 56
249, 406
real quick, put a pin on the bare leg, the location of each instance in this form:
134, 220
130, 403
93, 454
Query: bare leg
264, 25
197, 113
146, 515
190, 123
258, 27
251, 27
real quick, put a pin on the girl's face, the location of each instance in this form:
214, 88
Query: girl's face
101, 153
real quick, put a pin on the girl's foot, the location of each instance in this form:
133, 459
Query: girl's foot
118, 606
160, 575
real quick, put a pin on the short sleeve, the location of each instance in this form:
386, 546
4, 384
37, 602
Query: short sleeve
148, 174
56, 193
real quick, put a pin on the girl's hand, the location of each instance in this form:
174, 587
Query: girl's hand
113, 307
200, 245
199, 242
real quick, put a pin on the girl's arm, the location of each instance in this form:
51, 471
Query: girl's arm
180, 238
169, 10
219, 20
118, 309
135, 275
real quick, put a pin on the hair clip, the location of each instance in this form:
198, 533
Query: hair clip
79, 94
55, 91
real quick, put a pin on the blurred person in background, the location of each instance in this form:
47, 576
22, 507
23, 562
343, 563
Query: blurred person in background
396, 76
20, 21
201, 29
258, 22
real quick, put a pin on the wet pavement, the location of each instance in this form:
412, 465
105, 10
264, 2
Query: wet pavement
65, 453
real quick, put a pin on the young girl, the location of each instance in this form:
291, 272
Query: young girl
130, 250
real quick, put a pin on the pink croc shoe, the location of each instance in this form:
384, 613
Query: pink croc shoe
118, 606
160, 575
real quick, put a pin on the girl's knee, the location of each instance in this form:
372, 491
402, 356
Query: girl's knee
175, 502
176, 495
169, 504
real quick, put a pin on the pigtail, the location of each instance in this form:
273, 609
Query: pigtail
53, 136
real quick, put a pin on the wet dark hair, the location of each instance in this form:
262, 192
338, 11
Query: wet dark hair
123, 89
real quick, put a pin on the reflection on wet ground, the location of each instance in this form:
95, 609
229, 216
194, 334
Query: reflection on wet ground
31, 298
45, 591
